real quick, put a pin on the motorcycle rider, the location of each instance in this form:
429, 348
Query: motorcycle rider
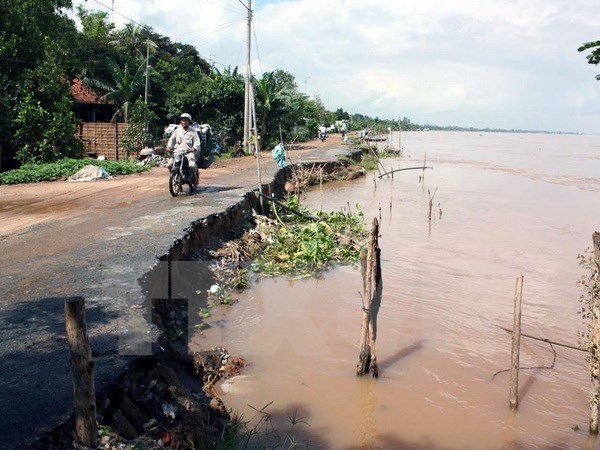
185, 140
322, 132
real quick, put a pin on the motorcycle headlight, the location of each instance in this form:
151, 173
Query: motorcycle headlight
177, 158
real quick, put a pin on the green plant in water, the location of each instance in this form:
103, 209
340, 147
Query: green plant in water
302, 248
368, 161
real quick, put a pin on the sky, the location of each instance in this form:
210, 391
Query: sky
510, 64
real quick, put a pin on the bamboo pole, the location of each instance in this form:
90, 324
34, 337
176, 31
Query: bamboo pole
82, 368
372, 290
405, 168
516, 345
595, 356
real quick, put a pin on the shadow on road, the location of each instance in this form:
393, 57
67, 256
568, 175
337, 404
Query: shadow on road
35, 381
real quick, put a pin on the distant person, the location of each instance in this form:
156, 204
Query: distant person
322, 132
343, 130
185, 140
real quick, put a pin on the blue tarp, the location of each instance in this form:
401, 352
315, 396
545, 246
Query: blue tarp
279, 155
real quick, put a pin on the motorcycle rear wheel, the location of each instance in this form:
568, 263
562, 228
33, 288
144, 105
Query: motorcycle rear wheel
175, 183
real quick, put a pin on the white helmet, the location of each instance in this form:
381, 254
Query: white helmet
186, 116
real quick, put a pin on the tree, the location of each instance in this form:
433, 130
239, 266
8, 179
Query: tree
131, 40
594, 56
138, 135
124, 89
274, 93
95, 23
36, 38
45, 125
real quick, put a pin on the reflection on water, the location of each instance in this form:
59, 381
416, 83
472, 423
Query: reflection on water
512, 203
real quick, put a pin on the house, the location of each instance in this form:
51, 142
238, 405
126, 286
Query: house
99, 135
89, 107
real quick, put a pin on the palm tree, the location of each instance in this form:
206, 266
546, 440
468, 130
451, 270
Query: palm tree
131, 40
124, 89
272, 93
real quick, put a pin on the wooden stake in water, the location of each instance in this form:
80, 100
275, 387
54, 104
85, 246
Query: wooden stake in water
320, 186
424, 164
372, 291
431, 197
595, 356
82, 368
513, 398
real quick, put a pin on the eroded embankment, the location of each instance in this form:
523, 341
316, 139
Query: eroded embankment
162, 399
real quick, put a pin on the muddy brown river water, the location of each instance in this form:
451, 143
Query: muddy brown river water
510, 204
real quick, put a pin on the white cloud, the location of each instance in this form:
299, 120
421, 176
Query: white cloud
482, 63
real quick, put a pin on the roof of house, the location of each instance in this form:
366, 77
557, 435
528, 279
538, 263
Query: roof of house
84, 94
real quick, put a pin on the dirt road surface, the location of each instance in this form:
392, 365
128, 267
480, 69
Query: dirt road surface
96, 239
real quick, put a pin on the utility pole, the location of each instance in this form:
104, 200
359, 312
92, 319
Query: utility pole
305, 80
147, 70
246, 143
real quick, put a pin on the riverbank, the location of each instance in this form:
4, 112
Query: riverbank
99, 240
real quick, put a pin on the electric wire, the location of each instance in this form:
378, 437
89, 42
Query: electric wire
228, 7
257, 51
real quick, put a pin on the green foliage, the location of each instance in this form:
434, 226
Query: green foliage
301, 134
45, 135
96, 24
368, 161
302, 248
594, 56
35, 38
45, 126
590, 298
138, 135
33, 173
124, 89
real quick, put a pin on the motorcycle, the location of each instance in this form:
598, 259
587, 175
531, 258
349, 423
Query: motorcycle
182, 173
322, 136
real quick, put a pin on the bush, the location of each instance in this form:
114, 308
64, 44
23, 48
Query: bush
33, 173
43, 135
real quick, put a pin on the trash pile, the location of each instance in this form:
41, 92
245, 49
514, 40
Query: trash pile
155, 160
90, 173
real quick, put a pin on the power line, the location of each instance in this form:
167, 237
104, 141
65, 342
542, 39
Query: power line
122, 15
227, 6
243, 4
215, 27
257, 51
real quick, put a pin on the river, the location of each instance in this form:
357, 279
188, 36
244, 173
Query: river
506, 204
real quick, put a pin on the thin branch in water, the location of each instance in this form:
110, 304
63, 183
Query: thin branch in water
551, 366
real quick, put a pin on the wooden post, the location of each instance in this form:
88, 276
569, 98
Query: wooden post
372, 290
595, 356
516, 345
116, 141
82, 368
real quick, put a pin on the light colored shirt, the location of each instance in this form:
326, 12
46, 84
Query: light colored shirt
184, 141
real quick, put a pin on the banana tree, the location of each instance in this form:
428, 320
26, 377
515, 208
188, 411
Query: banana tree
124, 89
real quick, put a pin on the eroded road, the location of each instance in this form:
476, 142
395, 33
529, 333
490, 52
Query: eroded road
95, 239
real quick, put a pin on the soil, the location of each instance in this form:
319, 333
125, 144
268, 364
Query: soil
59, 239
24, 205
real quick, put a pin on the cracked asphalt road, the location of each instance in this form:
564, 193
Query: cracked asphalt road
61, 239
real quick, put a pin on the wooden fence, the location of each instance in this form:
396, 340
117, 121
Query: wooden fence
101, 138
